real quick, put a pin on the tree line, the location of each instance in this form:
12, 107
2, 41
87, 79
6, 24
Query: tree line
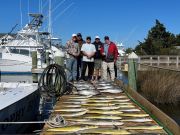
159, 41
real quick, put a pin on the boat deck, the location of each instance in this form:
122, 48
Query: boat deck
105, 113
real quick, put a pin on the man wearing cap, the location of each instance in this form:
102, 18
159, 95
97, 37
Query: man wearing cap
97, 58
72, 51
110, 56
80, 42
88, 51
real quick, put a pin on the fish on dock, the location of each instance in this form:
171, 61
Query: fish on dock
106, 131
74, 128
138, 120
102, 123
104, 112
155, 127
70, 110
105, 117
133, 115
113, 91
97, 104
74, 114
130, 110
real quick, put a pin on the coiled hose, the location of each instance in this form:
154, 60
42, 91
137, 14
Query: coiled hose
53, 82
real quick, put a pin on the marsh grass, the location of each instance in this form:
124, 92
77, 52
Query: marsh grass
159, 85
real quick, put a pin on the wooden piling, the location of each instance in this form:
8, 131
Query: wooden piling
59, 58
132, 70
47, 58
34, 66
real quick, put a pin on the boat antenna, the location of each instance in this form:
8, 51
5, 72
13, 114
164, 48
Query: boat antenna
49, 25
21, 12
28, 12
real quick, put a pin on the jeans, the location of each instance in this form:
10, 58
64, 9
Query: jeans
71, 64
90, 69
79, 67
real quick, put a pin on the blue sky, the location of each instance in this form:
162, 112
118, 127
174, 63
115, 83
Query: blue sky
125, 21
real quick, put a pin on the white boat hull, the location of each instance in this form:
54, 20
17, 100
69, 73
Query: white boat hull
14, 66
24, 107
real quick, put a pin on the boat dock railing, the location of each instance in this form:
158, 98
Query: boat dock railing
166, 61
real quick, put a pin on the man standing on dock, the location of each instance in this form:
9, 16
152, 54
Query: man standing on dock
73, 52
97, 58
80, 42
88, 51
110, 56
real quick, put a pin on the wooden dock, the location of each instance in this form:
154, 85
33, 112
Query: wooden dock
105, 113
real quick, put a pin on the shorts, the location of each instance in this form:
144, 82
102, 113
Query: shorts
97, 63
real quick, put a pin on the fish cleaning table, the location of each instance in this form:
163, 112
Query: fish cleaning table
102, 108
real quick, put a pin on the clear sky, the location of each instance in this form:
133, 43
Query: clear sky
125, 21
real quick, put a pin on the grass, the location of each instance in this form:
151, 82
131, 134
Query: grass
160, 86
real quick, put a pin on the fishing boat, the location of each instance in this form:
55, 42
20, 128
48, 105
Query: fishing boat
19, 103
16, 55
120, 48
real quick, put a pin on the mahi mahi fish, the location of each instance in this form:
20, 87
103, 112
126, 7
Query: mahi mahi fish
101, 98
107, 131
97, 104
104, 112
115, 107
107, 117
134, 115
145, 127
74, 114
70, 110
113, 91
106, 107
101, 123
69, 106
138, 120
74, 128
130, 110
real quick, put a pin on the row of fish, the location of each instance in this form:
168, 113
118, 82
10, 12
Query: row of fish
94, 113
84, 88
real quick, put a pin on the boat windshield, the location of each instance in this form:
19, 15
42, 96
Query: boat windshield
20, 51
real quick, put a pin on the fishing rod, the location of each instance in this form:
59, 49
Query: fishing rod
3, 40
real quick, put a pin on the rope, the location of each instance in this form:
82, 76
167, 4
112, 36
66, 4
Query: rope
53, 121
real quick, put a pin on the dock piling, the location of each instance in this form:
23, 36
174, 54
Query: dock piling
132, 70
34, 66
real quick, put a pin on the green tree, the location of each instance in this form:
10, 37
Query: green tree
158, 41
129, 50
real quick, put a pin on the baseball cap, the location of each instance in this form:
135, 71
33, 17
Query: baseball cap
79, 35
97, 37
74, 35
106, 38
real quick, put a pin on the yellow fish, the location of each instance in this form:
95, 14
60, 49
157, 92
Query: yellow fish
74, 128
134, 115
98, 104
104, 112
146, 127
74, 114
104, 117
107, 131
70, 110
101, 123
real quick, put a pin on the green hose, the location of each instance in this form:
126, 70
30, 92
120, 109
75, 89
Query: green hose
151, 115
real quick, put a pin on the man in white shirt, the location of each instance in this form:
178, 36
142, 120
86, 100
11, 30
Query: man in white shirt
88, 50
